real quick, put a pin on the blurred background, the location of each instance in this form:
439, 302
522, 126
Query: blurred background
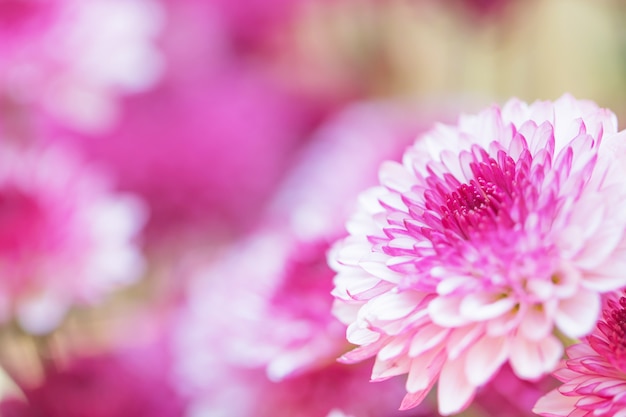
173, 172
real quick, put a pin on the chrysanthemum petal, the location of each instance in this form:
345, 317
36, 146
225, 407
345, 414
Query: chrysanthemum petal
531, 359
484, 306
375, 264
426, 338
554, 404
537, 323
412, 400
395, 177
462, 337
484, 358
444, 311
391, 306
360, 335
386, 369
424, 370
454, 391
576, 316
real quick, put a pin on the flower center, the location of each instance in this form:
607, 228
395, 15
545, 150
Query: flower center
472, 206
481, 204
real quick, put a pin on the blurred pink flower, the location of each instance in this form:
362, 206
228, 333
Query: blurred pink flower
257, 338
489, 236
253, 319
64, 237
594, 376
260, 317
74, 58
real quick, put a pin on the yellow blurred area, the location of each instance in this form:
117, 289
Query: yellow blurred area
533, 49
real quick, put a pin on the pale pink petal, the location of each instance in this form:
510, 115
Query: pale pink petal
444, 311
599, 246
350, 283
484, 359
454, 391
394, 348
532, 359
395, 177
391, 306
424, 369
376, 264
360, 335
555, 404
362, 352
386, 369
351, 253
576, 316
461, 338
485, 306
412, 400
426, 338
450, 284
537, 323
504, 324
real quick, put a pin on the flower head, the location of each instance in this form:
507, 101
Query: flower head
64, 237
489, 237
594, 376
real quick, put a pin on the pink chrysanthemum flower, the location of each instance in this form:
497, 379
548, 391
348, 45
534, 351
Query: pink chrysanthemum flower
65, 238
488, 238
594, 376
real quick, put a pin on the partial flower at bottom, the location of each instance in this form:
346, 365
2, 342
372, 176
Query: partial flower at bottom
488, 238
594, 376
